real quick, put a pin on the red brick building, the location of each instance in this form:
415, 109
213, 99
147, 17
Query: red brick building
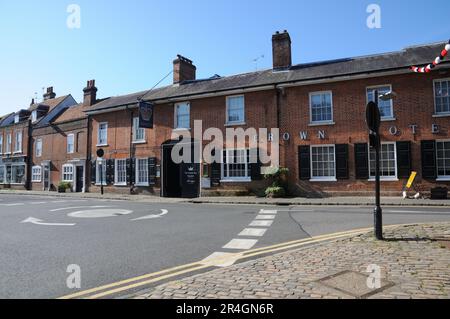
319, 109
60, 146
16, 143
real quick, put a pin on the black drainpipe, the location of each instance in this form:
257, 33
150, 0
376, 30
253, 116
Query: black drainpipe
88, 155
29, 155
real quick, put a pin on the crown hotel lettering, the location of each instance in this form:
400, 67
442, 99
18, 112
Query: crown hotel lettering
392, 130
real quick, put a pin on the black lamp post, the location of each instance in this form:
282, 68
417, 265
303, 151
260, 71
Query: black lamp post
373, 119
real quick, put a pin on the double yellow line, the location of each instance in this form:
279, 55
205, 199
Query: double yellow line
144, 280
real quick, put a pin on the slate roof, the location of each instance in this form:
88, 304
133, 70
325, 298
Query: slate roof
72, 113
415, 55
51, 103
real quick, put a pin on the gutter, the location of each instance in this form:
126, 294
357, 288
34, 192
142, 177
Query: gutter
264, 87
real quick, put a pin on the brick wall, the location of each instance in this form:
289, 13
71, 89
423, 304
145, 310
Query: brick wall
413, 105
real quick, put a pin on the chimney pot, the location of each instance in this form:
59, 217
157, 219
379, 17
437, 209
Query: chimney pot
183, 69
50, 94
90, 93
281, 50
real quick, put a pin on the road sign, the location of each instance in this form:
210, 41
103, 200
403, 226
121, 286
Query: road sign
373, 117
100, 152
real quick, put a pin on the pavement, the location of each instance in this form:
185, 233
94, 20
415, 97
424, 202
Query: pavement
246, 200
412, 263
124, 246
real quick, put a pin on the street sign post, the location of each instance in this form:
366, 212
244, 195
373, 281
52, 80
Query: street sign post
373, 120
101, 153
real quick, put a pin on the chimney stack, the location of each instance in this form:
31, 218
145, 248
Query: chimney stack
281, 51
90, 93
50, 94
183, 70
32, 102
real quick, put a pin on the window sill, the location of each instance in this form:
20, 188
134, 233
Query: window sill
385, 179
17, 152
36, 181
140, 142
181, 129
315, 180
235, 124
98, 184
142, 184
388, 119
239, 180
102, 145
322, 124
441, 115
443, 179
120, 184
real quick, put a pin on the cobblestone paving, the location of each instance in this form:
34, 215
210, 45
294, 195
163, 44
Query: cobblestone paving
412, 260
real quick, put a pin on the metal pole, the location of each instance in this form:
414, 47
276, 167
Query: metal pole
378, 212
101, 176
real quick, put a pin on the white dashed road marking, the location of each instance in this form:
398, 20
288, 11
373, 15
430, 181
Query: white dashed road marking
261, 223
253, 232
269, 212
220, 259
242, 244
265, 217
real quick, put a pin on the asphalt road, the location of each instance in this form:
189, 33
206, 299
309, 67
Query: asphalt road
110, 241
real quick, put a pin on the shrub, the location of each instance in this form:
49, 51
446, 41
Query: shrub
275, 192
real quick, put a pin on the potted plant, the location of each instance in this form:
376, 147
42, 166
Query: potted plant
279, 186
63, 186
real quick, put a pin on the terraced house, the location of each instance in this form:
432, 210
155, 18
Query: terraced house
318, 107
16, 144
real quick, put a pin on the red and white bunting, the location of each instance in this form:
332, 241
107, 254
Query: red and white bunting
439, 59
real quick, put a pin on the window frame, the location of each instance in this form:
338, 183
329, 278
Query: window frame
33, 174
73, 143
8, 143
227, 118
235, 179
138, 182
25, 174
436, 113
116, 172
322, 178
63, 173
175, 124
18, 142
99, 142
36, 148
1, 143
385, 178
136, 128
391, 101
443, 178
2, 180
331, 121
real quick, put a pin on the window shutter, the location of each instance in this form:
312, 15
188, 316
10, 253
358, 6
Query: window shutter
93, 171
403, 159
362, 161
342, 161
128, 168
304, 162
151, 162
255, 168
216, 171
110, 171
429, 170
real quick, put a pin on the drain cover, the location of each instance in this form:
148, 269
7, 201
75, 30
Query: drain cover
353, 283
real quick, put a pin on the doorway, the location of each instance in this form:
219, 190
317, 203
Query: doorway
79, 182
179, 180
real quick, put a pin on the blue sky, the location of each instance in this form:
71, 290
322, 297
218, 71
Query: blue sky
128, 46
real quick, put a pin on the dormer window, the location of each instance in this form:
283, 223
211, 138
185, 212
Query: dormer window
16, 118
34, 116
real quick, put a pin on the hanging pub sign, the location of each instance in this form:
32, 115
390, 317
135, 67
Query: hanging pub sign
145, 114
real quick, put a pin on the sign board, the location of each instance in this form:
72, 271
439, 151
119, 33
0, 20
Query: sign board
152, 171
145, 114
373, 117
190, 180
100, 152
411, 180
